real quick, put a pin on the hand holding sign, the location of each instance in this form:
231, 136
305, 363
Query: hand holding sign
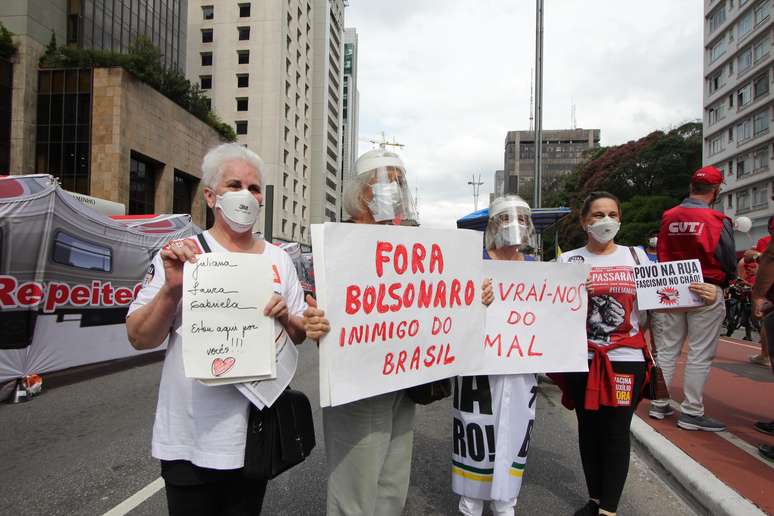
666, 285
226, 332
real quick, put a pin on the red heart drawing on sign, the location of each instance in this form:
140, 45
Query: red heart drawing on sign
221, 366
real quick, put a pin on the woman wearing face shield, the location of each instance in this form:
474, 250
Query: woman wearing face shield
508, 233
199, 431
368, 443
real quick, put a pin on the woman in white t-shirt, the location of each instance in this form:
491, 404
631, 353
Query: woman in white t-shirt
199, 431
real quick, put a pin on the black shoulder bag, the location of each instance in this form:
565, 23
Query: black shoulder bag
280, 436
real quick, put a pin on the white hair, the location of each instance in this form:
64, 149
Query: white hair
217, 157
352, 199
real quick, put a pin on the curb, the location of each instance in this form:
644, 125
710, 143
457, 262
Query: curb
706, 489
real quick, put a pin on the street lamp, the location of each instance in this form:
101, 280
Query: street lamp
476, 184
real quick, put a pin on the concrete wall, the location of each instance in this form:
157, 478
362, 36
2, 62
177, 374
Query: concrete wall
130, 116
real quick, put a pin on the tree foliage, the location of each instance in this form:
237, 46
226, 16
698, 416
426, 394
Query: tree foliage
649, 175
7, 46
144, 62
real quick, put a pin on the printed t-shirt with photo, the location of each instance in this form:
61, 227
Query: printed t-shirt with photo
612, 311
194, 422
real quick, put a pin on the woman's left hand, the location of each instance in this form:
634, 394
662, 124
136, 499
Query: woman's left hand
487, 293
706, 291
276, 308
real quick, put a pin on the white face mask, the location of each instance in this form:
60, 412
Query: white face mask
510, 234
604, 230
385, 204
653, 241
240, 210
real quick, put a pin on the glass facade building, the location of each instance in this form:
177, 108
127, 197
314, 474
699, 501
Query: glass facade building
62, 143
115, 24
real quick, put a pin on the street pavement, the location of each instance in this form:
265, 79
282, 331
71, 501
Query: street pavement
84, 447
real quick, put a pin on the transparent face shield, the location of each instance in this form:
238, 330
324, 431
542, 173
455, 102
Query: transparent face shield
388, 197
510, 226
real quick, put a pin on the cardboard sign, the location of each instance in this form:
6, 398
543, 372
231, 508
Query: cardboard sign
404, 306
225, 334
537, 321
665, 285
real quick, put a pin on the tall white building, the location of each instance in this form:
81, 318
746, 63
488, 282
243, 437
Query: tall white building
350, 111
327, 85
255, 59
739, 107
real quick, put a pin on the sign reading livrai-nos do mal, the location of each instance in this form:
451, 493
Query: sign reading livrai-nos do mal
404, 306
537, 321
665, 285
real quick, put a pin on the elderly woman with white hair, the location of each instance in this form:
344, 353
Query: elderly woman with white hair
199, 431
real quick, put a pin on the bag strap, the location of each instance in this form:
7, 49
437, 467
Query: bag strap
203, 243
634, 255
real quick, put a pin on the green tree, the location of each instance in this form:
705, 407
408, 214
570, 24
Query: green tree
7, 46
649, 175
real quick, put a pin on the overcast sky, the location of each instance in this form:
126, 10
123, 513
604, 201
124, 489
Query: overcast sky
449, 78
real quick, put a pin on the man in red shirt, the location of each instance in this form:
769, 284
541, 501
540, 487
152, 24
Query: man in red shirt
693, 230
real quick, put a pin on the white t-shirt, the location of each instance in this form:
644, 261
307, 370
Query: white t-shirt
613, 312
206, 425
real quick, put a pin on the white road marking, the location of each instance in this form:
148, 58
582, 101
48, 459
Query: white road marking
740, 344
137, 498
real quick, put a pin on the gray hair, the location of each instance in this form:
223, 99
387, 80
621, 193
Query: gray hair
352, 197
217, 157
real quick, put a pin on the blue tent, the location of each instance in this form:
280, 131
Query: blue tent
542, 218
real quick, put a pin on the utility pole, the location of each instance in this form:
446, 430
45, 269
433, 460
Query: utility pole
536, 203
476, 184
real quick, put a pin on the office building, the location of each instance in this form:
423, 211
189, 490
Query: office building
101, 131
328, 48
350, 111
563, 151
257, 61
739, 107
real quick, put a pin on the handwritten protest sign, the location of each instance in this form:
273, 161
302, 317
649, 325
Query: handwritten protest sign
404, 306
665, 285
537, 321
225, 334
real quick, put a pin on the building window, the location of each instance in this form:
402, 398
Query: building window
183, 192
206, 82
142, 186
206, 35
244, 33
241, 104
760, 123
742, 201
761, 12
761, 49
243, 80
241, 126
730, 199
759, 199
716, 19
717, 50
63, 128
730, 134
744, 131
761, 85
744, 60
244, 10
206, 58
715, 145
761, 159
208, 12
745, 25
77, 252
284, 226
243, 56
714, 115
743, 166
715, 83
744, 96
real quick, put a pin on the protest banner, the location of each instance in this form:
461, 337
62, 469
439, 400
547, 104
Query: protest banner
225, 334
537, 321
665, 285
404, 305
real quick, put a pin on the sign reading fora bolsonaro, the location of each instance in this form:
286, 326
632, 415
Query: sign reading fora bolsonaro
665, 285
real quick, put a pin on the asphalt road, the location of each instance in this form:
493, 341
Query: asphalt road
83, 448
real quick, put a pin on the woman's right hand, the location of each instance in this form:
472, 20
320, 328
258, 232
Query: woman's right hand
174, 255
315, 323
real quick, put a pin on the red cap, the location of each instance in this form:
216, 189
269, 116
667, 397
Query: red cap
708, 175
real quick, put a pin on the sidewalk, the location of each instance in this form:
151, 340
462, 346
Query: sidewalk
737, 393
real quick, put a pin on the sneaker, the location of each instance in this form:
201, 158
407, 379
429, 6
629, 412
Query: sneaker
760, 360
766, 427
689, 422
591, 508
659, 411
766, 451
